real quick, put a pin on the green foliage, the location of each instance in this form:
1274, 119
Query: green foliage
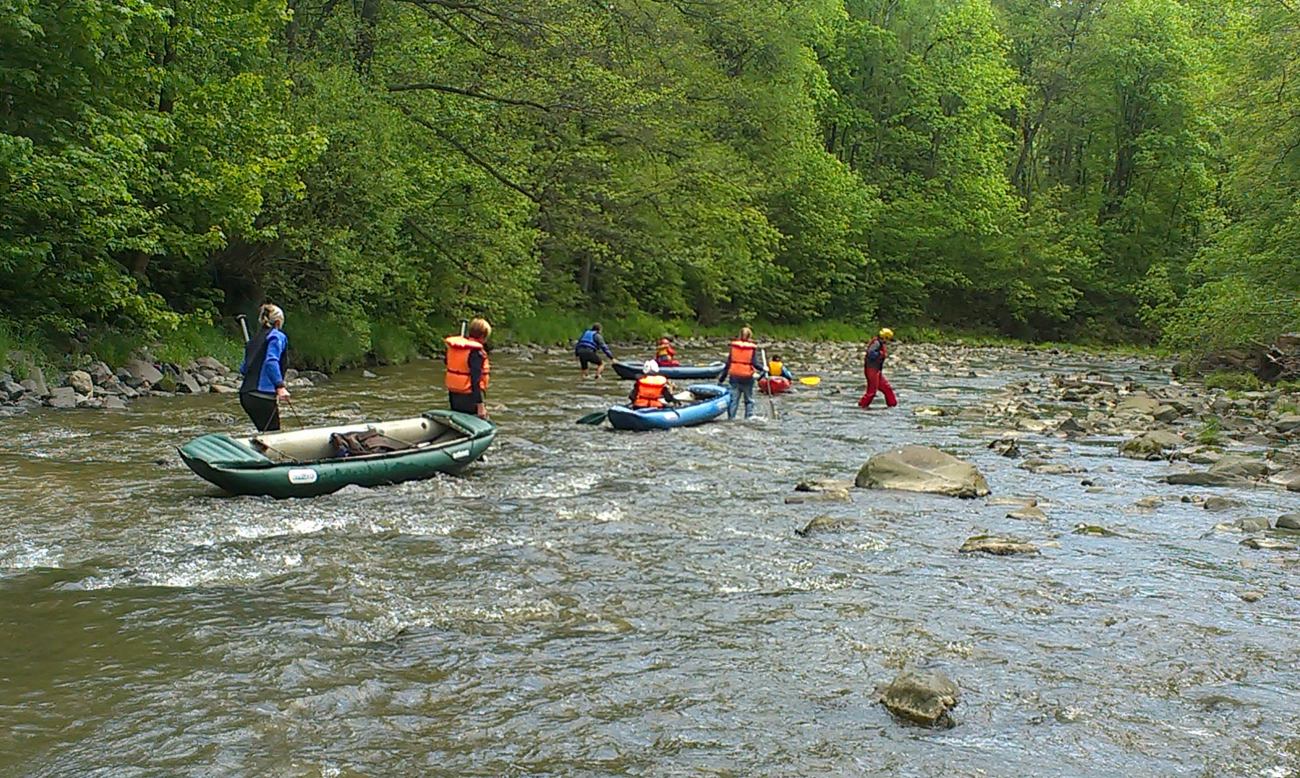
391, 345
1116, 171
197, 337
1240, 382
320, 342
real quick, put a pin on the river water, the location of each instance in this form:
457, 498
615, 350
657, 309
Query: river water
585, 602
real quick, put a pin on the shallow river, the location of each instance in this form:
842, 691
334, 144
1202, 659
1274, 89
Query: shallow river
584, 602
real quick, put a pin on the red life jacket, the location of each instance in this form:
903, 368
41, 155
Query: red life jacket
458, 350
740, 364
650, 391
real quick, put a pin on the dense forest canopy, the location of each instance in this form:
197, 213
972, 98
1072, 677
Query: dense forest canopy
1124, 170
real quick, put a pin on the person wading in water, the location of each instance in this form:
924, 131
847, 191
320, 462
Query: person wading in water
872, 366
468, 369
263, 387
588, 350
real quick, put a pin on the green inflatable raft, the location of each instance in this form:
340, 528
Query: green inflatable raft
309, 462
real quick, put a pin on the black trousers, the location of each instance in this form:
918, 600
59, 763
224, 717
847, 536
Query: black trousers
463, 403
264, 411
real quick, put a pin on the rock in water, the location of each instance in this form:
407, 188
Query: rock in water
1239, 466
990, 544
1028, 513
838, 495
822, 524
921, 697
922, 469
1205, 479
1289, 521
1151, 445
823, 485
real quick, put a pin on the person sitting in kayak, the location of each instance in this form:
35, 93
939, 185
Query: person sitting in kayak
651, 390
588, 349
665, 355
777, 368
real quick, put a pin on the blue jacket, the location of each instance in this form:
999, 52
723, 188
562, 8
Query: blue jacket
592, 340
262, 361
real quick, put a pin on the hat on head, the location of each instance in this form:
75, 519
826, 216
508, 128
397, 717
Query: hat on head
650, 367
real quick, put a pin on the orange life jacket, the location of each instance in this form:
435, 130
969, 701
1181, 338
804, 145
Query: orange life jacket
741, 362
458, 350
650, 391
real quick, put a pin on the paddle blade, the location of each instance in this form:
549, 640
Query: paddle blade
594, 418
810, 380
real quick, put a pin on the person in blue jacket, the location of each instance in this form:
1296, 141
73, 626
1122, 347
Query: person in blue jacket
589, 348
263, 385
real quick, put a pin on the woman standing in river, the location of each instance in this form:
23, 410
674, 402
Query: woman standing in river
468, 369
263, 386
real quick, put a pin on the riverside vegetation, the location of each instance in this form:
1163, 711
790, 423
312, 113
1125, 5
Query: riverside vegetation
1122, 171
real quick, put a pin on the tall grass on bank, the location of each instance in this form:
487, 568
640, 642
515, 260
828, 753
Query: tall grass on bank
322, 343
195, 338
391, 344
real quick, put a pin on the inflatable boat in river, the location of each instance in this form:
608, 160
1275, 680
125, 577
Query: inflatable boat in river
631, 371
319, 460
706, 403
775, 385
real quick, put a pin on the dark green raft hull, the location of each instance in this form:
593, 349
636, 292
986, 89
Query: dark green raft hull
258, 465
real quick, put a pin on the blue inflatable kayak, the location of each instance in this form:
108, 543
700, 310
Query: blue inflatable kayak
631, 371
710, 403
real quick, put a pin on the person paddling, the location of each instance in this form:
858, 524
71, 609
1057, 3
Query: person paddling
872, 366
775, 368
589, 348
651, 389
468, 369
263, 386
743, 366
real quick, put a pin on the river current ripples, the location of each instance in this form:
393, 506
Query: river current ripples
585, 602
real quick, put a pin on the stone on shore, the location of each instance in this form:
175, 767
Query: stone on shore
142, 372
922, 697
63, 397
922, 469
81, 381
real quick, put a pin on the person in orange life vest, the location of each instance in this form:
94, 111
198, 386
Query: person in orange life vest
651, 390
872, 365
743, 367
665, 355
468, 369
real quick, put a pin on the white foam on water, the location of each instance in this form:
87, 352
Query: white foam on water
26, 556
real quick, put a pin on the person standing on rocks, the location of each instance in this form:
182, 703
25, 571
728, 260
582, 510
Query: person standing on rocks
872, 367
263, 387
589, 348
744, 365
468, 369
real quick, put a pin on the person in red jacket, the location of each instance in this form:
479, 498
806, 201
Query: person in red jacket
872, 366
664, 354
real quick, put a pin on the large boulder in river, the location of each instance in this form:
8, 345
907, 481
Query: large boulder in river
1151, 445
922, 469
921, 697
1242, 467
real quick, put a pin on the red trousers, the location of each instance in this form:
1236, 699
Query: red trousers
876, 381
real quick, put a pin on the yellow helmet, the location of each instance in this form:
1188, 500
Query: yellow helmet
886, 333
